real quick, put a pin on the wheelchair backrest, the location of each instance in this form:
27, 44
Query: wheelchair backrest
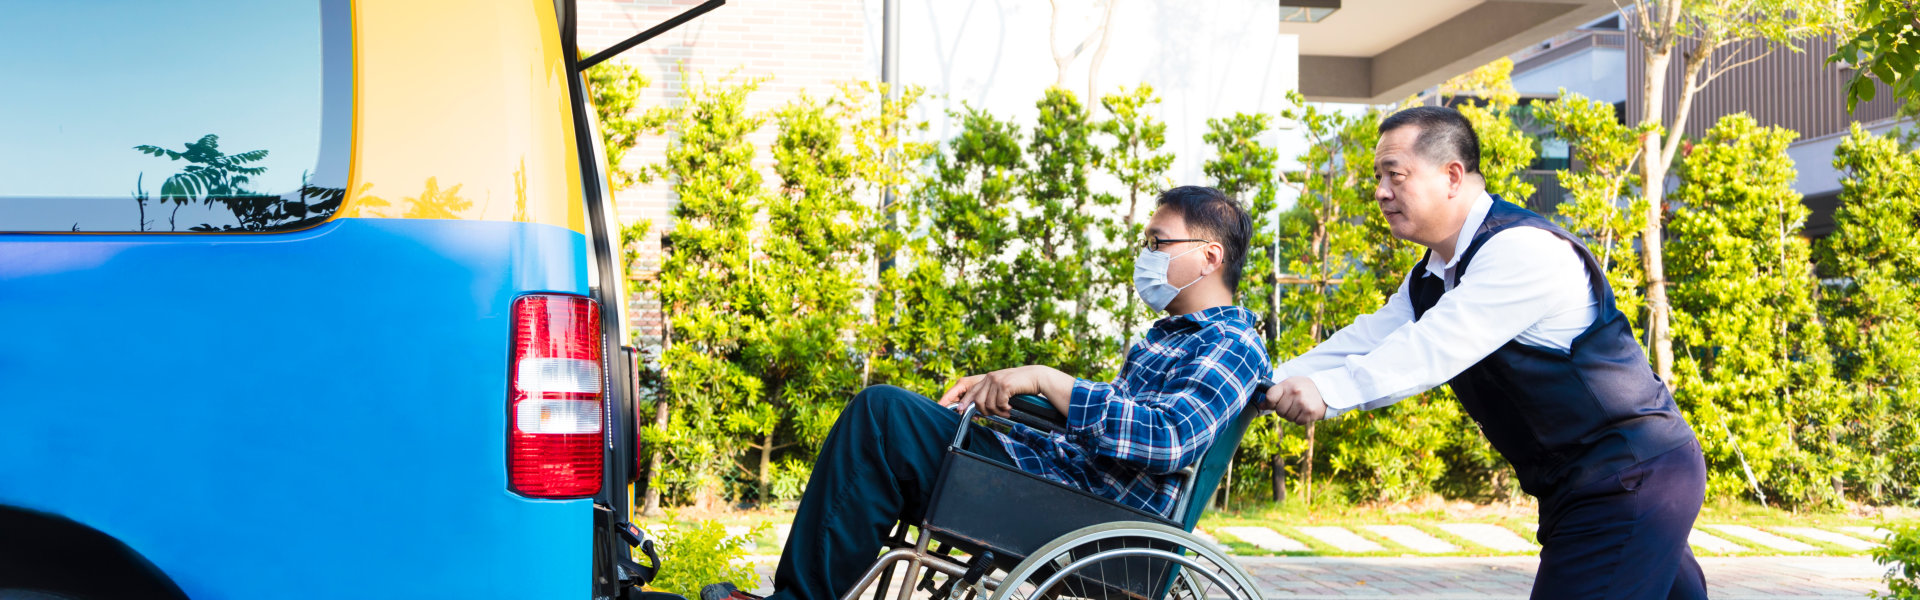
1218, 458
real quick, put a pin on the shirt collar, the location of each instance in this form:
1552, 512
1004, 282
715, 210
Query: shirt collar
1475, 216
1200, 318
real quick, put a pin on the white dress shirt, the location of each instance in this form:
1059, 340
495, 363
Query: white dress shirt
1525, 284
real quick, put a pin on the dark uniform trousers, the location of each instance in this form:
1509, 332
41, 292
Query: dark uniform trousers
1625, 536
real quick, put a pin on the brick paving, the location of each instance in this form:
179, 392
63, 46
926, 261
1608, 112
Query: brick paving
1451, 578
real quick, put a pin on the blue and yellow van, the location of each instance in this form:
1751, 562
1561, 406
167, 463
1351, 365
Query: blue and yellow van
314, 299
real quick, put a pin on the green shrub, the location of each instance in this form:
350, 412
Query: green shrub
790, 478
1901, 555
696, 554
1752, 368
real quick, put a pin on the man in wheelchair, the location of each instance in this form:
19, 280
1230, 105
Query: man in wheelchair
1181, 384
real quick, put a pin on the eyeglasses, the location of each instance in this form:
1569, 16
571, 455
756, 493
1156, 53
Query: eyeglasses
1154, 243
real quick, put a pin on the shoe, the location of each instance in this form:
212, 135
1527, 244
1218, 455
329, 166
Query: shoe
725, 591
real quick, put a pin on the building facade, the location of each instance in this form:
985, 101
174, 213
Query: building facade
1793, 89
1782, 87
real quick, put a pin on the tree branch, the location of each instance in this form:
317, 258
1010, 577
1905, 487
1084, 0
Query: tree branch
1643, 25
1613, 206
1060, 61
1696, 61
1724, 68
1099, 55
1288, 279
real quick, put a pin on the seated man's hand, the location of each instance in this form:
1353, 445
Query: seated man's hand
994, 392
1296, 399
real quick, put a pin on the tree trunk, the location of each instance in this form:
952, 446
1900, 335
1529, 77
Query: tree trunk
1280, 465
1658, 39
1318, 330
1273, 337
651, 506
766, 471
1306, 466
1839, 483
1126, 307
1226, 491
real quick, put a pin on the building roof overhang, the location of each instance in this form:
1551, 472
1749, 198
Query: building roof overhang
1379, 51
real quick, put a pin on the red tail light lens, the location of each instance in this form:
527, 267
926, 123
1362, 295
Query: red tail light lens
556, 397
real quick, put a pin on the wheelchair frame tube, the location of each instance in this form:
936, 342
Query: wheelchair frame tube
915, 558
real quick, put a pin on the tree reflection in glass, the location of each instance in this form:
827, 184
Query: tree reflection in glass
213, 177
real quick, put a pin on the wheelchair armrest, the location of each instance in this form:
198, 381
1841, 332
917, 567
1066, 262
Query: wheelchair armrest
1036, 412
1029, 410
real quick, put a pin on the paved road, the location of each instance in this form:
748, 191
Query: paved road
1512, 577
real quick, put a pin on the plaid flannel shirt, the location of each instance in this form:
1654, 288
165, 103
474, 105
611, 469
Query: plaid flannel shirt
1187, 379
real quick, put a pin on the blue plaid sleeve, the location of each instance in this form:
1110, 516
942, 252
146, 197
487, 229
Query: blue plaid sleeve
1163, 429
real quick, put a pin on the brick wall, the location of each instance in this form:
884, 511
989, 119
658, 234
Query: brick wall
800, 44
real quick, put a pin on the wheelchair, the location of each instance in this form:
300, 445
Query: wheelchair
1065, 543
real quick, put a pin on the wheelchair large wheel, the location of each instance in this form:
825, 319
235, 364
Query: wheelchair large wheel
1127, 561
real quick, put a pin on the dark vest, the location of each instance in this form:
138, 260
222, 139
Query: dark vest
1563, 419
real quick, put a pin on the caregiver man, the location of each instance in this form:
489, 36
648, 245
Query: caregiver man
1517, 316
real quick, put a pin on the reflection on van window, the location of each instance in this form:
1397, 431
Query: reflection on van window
203, 115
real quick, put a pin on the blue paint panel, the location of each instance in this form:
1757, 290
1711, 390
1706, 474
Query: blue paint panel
317, 414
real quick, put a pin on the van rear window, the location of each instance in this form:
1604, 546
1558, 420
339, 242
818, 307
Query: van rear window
190, 116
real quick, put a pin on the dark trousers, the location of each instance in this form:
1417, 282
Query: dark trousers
1625, 536
876, 468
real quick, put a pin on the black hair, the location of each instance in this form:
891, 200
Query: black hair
1445, 135
1216, 217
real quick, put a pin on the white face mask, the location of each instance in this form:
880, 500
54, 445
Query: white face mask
1150, 277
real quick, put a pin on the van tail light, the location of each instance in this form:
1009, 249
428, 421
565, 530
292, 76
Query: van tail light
555, 398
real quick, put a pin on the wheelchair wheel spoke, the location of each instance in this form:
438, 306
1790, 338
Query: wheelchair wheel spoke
1127, 561
1103, 569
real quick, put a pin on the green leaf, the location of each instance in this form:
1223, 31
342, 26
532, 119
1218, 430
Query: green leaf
1859, 90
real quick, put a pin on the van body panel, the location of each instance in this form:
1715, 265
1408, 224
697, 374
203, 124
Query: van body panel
461, 111
319, 413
